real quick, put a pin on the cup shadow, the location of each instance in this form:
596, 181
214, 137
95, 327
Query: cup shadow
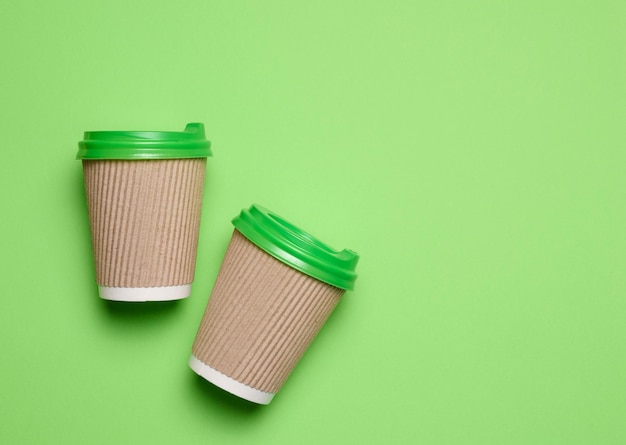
224, 399
147, 309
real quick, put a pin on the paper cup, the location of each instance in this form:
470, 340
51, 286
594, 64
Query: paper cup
144, 196
275, 290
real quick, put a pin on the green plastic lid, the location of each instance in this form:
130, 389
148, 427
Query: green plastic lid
135, 145
297, 248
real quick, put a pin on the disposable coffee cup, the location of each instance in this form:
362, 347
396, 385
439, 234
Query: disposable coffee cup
144, 196
275, 290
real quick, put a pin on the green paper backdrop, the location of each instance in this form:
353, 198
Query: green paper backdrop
473, 153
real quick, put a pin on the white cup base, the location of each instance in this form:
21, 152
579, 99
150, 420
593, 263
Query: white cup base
231, 385
141, 294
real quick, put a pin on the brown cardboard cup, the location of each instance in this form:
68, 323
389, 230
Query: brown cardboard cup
144, 217
261, 317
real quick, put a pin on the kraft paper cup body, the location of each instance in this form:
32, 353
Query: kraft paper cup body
144, 215
261, 317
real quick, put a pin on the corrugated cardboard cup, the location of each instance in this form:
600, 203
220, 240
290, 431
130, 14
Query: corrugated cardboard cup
144, 196
275, 290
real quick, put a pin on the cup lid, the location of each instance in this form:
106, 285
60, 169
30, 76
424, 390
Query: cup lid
135, 145
297, 248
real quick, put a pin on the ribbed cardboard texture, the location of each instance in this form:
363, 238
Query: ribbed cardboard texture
145, 218
261, 317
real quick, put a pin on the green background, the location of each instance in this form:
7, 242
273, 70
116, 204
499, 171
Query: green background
473, 153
